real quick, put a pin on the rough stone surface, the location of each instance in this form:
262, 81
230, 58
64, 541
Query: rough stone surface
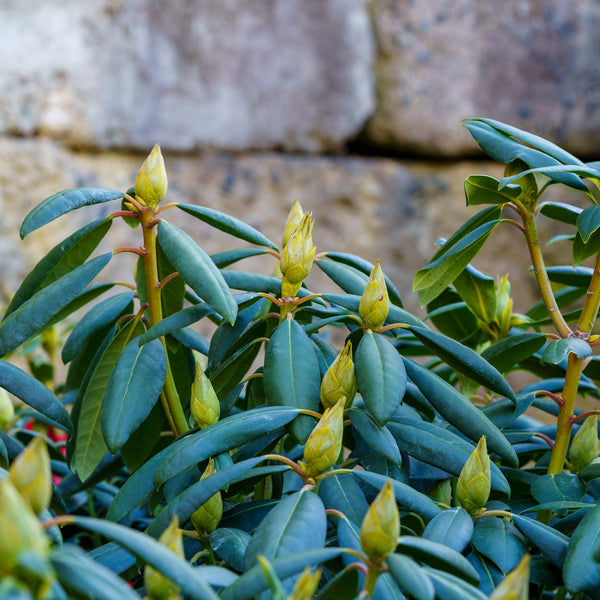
234, 74
531, 63
376, 208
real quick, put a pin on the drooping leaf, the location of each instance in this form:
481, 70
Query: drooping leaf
291, 374
581, 570
197, 269
64, 202
483, 189
410, 577
588, 221
558, 487
229, 544
351, 280
344, 494
558, 350
579, 277
229, 257
344, 585
583, 250
378, 438
510, 351
34, 314
453, 528
559, 211
478, 290
176, 321
500, 541
451, 587
551, 542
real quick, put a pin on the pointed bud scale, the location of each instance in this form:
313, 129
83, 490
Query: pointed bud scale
7, 409
158, 586
504, 305
306, 586
475, 482
515, 586
31, 475
151, 183
297, 257
339, 380
293, 220
374, 303
584, 447
381, 525
207, 517
323, 446
205, 406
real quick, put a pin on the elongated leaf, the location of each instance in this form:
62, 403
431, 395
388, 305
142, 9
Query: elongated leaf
34, 394
559, 350
38, 311
503, 412
351, 280
291, 375
478, 290
252, 282
465, 361
405, 495
581, 570
344, 585
231, 432
439, 447
500, 541
579, 277
160, 557
450, 587
452, 528
180, 319
96, 320
483, 189
378, 438
556, 172
228, 224
229, 544
229, 257
510, 351
588, 221
64, 202
132, 390
344, 494
380, 376
559, 211
459, 411
197, 269
551, 542
558, 487
410, 577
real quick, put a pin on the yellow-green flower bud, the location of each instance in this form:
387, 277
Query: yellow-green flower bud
151, 183
381, 525
31, 475
323, 446
306, 586
159, 586
374, 303
504, 305
475, 480
293, 220
584, 447
7, 409
205, 406
297, 257
515, 586
207, 517
20, 530
339, 379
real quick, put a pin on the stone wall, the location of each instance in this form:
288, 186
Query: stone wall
353, 106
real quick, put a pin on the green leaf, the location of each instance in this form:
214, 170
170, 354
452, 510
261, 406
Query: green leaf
478, 290
228, 224
450, 587
176, 321
588, 222
583, 250
35, 394
343, 585
380, 376
510, 351
405, 495
351, 280
80, 574
459, 411
62, 259
160, 557
557, 172
558, 350
64, 202
465, 361
551, 542
558, 487
483, 189
231, 432
291, 374
344, 494
132, 390
90, 446
410, 577
439, 447
229, 544
378, 438
503, 412
34, 314
229, 257
252, 282
197, 269
559, 211
94, 321
453, 528
581, 570
579, 277
500, 541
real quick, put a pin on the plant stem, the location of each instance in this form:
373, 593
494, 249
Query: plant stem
371, 579
169, 396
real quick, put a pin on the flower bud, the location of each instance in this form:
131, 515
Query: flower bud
159, 586
207, 517
475, 482
339, 379
7, 409
20, 530
31, 475
306, 586
381, 525
584, 447
323, 446
515, 586
297, 257
504, 305
293, 220
151, 183
205, 406
374, 303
